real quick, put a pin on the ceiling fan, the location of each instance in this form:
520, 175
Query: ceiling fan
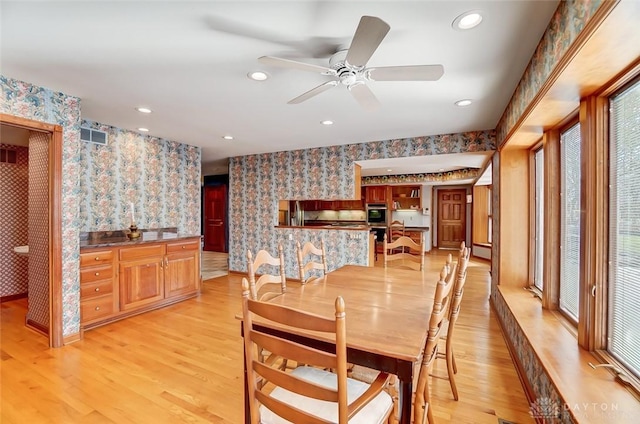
348, 67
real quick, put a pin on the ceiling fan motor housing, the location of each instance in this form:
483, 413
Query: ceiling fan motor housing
347, 73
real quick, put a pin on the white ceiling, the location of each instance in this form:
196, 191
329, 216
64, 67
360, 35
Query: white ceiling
188, 62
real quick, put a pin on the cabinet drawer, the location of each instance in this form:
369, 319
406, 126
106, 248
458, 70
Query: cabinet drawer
183, 246
96, 289
139, 251
96, 257
96, 273
97, 307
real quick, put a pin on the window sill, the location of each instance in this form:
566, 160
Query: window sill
587, 395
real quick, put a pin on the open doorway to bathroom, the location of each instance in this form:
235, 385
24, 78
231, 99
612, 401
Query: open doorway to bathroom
37, 174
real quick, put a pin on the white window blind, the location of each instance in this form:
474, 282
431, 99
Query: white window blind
624, 229
538, 157
570, 221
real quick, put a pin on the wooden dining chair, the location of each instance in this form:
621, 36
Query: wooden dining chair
408, 259
308, 394
310, 250
454, 312
267, 285
396, 230
422, 403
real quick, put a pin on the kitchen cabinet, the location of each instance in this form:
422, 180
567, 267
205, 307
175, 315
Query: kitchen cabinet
141, 276
416, 236
376, 194
406, 197
181, 268
98, 295
349, 205
149, 276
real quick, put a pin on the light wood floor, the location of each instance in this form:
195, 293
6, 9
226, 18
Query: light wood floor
184, 364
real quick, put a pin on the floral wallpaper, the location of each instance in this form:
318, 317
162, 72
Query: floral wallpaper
159, 179
25, 100
257, 182
565, 25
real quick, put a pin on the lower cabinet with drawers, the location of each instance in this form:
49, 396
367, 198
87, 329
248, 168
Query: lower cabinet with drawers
120, 281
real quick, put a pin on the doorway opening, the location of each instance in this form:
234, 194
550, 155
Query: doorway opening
46, 239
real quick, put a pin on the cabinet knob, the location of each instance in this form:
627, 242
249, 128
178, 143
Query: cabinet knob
183, 247
97, 258
97, 308
97, 289
97, 273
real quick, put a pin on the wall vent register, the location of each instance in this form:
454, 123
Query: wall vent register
93, 136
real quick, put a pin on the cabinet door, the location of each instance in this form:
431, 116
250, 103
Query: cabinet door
141, 282
181, 274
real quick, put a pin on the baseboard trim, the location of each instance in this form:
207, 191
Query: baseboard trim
36, 326
72, 338
11, 297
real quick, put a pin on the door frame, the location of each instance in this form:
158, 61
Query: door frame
55, 218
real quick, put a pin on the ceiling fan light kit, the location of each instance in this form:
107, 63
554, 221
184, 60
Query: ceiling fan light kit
348, 66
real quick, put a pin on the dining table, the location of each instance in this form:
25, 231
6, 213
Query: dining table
387, 317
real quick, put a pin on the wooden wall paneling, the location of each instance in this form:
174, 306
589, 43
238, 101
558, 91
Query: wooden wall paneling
514, 216
594, 217
480, 214
551, 270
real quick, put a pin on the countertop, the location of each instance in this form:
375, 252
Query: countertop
119, 237
351, 227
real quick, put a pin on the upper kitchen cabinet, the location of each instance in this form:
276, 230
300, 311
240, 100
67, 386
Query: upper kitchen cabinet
376, 194
406, 197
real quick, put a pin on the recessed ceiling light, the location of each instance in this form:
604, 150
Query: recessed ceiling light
143, 129
228, 137
465, 102
467, 20
326, 122
389, 170
441, 170
258, 75
143, 109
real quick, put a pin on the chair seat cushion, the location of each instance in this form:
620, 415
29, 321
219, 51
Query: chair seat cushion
375, 412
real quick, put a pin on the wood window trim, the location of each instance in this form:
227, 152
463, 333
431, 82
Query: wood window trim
532, 213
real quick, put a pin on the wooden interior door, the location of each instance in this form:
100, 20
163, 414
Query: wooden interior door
215, 211
452, 212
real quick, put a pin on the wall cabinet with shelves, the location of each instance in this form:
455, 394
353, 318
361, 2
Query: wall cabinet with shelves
406, 197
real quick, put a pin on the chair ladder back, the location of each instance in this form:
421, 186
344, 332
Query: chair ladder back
414, 260
257, 371
309, 249
266, 280
439, 311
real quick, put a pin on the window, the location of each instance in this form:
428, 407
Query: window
570, 221
538, 267
623, 338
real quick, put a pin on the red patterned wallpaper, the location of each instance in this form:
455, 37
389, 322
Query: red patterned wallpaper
38, 229
14, 186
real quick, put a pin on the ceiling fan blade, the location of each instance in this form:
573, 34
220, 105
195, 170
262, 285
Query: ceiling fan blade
407, 73
364, 96
368, 36
313, 92
293, 64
